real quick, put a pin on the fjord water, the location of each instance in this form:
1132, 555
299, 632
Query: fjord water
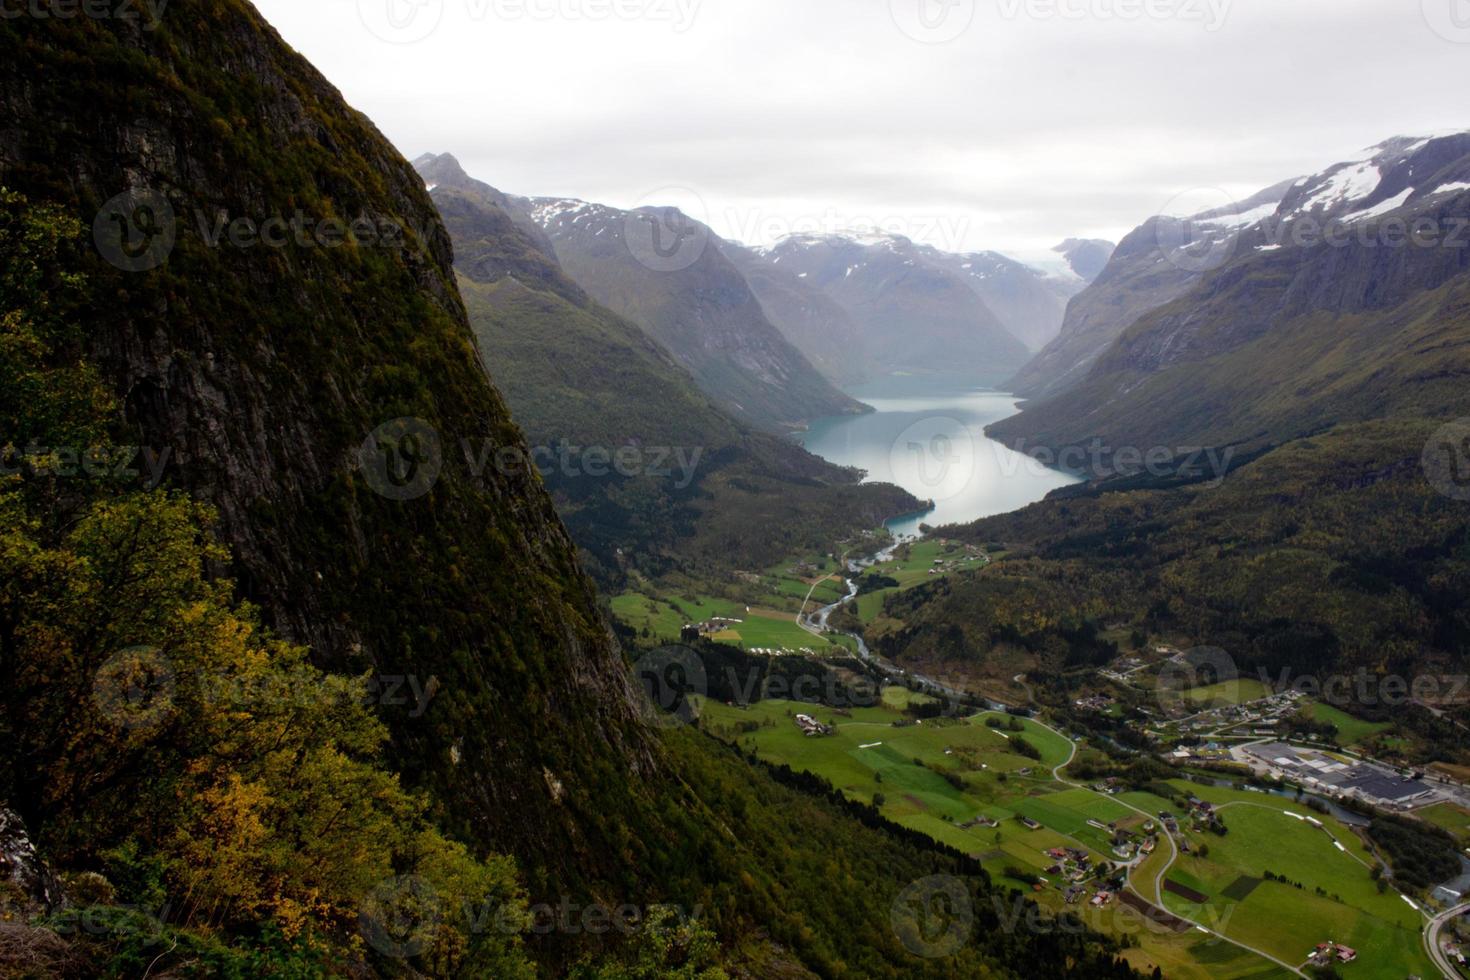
927, 434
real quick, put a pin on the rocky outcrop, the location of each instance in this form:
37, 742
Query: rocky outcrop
28, 877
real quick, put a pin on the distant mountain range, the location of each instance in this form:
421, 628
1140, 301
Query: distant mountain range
1303, 306
911, 313
695, 303
578, 374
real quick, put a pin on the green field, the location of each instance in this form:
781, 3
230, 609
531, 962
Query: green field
1262, 837
1227, 693
869, 756
772, 630
665, 617
758, 629
1449, 817
1350, 730
870, 759
914, 569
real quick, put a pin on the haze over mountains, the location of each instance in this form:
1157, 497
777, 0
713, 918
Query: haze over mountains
578, 375
768, 332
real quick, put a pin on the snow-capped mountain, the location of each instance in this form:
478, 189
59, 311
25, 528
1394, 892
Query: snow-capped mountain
913, 313
666, 273
1335, 296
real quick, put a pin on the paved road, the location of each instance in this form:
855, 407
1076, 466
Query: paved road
1158, 882
1431, 940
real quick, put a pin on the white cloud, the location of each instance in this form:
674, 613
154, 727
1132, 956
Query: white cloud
1022, 131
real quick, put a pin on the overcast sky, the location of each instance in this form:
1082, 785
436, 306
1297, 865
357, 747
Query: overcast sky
1004, 124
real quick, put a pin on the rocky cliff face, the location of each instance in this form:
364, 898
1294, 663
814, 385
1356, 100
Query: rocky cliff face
265, 348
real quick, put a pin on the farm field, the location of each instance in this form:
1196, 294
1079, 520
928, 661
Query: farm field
1227, 693
870, 760
912, 570
1338, 901
764, 629
1449, 817
1350, 730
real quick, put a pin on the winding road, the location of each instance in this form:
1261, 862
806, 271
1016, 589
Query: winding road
1158, 882
1431, 940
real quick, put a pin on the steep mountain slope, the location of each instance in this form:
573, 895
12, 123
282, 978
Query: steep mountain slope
1154, 264
1029, 303
662, 270
1324, 309
1324, 556
809, 318
265, 369
266, 372
913, 315
578, 376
